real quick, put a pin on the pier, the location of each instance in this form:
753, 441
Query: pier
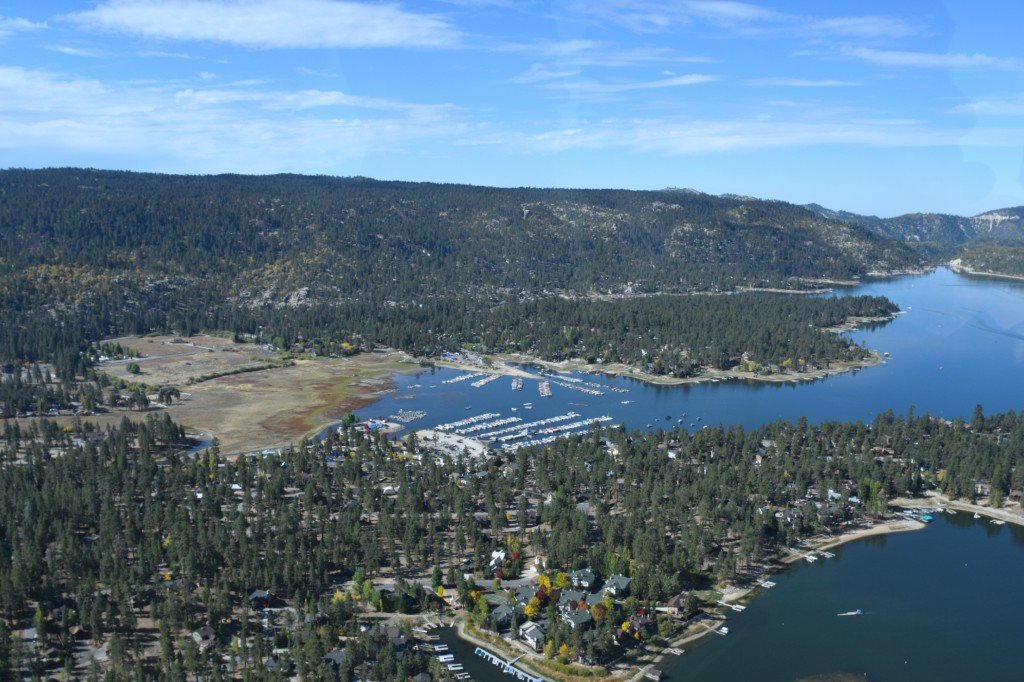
506, 666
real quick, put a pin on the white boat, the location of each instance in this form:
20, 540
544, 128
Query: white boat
977, 515
998, 522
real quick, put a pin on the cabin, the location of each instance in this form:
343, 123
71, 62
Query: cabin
533, 634
617, 585
582, 579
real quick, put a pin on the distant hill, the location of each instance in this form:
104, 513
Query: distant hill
307, 260
287, 239
1002, 224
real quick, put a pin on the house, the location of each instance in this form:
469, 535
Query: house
259, 598
676, 605
617, 585
533, 634
279, 665
983, 488
335, 659
577, 618
582, 579
524, 593
569, 599
394, 635
502, 616
205, 637
497, 559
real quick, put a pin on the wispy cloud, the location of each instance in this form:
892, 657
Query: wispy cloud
596, 53
993, 107
664, 15
799, 83
165, 55
689, 137
209, 130
647, 16
313, 72
863, 27
75, 51
11, 25
267, 24
538, 73
608, 88
935, 60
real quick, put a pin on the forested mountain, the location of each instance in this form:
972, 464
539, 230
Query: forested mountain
938, 235
100, 253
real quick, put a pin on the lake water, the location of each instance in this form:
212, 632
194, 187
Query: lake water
959, 343
944, 603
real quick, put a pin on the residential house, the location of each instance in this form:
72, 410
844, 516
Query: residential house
205, 637
676, 605
617, 585
570, 599
533, 634
502, 616
582, 579
335, 658
577, 618
259, 598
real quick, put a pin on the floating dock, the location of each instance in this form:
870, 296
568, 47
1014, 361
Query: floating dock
507, 667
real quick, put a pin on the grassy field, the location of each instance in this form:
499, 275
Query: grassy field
273, 404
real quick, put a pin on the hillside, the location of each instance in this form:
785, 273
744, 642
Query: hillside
116, 252
991, 239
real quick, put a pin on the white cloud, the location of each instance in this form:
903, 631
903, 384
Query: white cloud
208, 130
606, 88
305, 71
538, 73
701, 136
993, 107
165, 55
799, 83
863, 27
11, 25
934, 60
268, 24
75, 51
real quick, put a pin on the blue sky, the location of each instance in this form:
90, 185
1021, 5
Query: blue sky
874, 107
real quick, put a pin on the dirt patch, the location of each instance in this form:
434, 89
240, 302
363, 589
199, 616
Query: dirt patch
173, 361
254, 401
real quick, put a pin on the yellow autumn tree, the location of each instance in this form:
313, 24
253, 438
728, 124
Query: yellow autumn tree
532, 608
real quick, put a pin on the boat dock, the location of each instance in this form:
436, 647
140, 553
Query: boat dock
506, 666
734, 607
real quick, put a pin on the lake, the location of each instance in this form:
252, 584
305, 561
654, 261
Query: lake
944, 603
959, 343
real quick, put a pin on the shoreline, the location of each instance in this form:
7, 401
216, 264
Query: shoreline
500, 366
702, 627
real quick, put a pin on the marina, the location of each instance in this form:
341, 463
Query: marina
507, 667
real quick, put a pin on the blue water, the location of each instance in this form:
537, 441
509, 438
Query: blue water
945, 603
958, 343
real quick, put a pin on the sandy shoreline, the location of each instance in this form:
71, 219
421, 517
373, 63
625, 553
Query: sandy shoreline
499, 365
